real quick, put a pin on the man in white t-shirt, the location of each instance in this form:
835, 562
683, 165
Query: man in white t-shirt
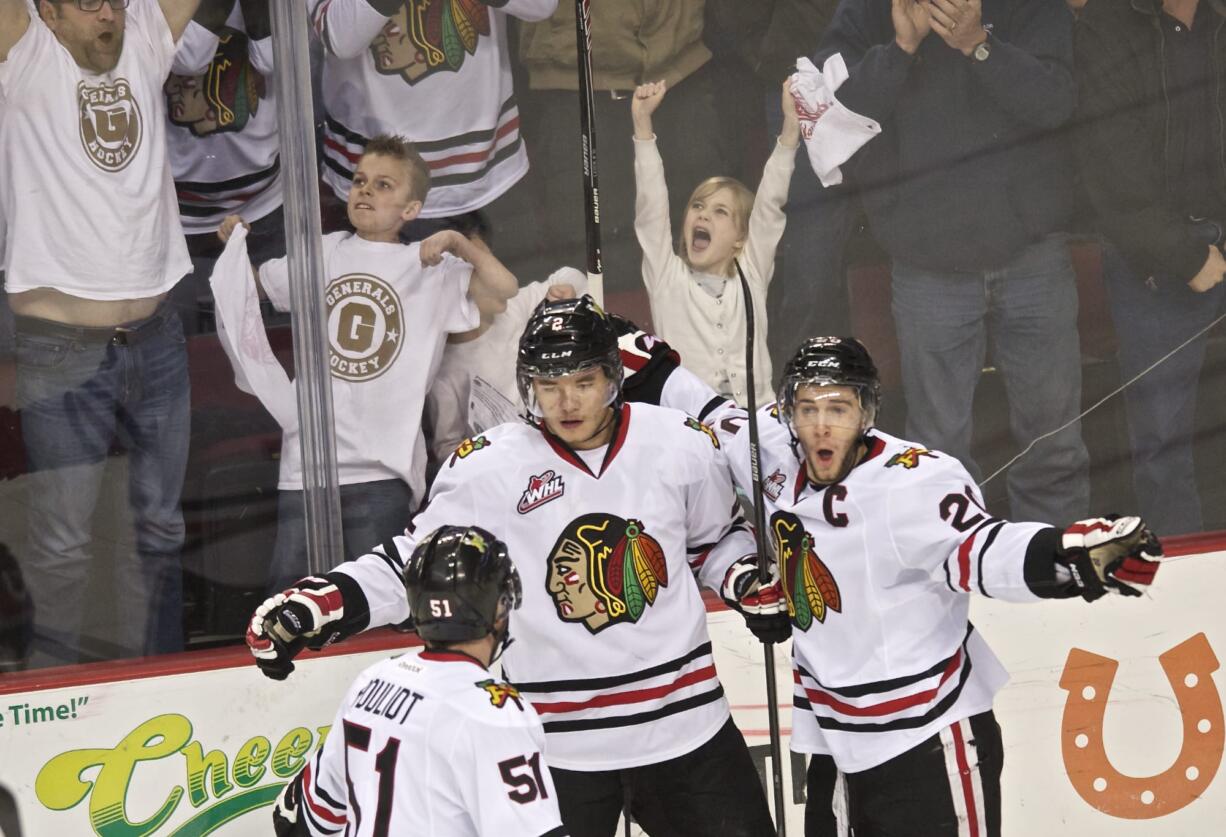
93, 244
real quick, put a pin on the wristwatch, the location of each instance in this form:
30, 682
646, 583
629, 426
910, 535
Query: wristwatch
982, 51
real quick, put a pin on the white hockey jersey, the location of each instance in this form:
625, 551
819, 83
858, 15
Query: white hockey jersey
611, 642
436, 73
431, 744
877, 570
388, 318
222, 133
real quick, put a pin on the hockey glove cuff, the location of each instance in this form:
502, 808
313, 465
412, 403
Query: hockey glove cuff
763, 606
307, 614
285, 819
1111, 554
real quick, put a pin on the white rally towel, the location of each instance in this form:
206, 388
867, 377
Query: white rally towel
831, 132
241, 332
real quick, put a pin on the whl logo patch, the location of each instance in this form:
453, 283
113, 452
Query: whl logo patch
541, 489
772, 486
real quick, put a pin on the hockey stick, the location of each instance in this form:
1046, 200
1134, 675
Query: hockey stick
587, 138
759, 522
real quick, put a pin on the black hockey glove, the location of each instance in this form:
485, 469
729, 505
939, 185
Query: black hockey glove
1109, 554
763, 606
307, 614
285, 819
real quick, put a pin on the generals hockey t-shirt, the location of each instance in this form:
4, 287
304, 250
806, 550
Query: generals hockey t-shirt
388, 318
85, 182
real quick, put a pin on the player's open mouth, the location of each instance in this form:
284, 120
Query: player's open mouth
571, 424
363, 206
700, 239
825, 456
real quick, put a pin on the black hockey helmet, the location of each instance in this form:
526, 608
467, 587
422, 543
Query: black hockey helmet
458, 579
831, 361
565, 337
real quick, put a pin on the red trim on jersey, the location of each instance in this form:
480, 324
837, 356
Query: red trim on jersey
964, 561
351, 156
817, 696
698, 560
615, 444
964, 771
450, 657
319, 810
632, 696
320, 16
875, 448
801, 481
475, 156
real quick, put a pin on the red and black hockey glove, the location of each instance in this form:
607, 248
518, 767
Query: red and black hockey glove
1109, 554
763, 606
307, 614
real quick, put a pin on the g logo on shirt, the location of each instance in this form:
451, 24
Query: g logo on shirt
364, 327
111, 126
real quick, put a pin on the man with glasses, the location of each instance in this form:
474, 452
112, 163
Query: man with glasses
93, 244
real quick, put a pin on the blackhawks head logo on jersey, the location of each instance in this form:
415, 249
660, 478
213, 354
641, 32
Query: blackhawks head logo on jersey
604, 569
810, 588
428, 36
224, 97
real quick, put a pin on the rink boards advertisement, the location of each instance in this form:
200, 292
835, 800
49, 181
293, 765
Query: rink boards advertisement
1112, 725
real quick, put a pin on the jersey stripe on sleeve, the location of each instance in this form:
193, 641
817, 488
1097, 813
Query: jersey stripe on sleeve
320, 809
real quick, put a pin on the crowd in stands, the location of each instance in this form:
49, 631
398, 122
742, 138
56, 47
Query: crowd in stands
137, 137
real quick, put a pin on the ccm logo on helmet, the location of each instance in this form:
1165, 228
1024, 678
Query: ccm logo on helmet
556, 355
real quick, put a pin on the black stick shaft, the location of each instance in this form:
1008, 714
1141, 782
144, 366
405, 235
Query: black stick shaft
759, 522
587, 138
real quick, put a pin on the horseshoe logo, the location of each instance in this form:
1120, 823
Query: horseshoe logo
1087, 678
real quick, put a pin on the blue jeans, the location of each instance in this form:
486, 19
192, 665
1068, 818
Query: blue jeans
942, 319
371, 513
77, 396
1151, 320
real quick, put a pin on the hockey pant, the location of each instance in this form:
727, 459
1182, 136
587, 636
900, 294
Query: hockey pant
713, 790
946, 786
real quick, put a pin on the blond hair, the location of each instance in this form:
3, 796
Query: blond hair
400, 149
742, 205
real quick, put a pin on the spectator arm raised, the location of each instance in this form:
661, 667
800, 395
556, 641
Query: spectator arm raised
767, 221
651, 221
14, 20
346, 27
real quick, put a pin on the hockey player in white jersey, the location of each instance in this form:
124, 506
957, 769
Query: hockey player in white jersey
879, 541
616, 514
431, 743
